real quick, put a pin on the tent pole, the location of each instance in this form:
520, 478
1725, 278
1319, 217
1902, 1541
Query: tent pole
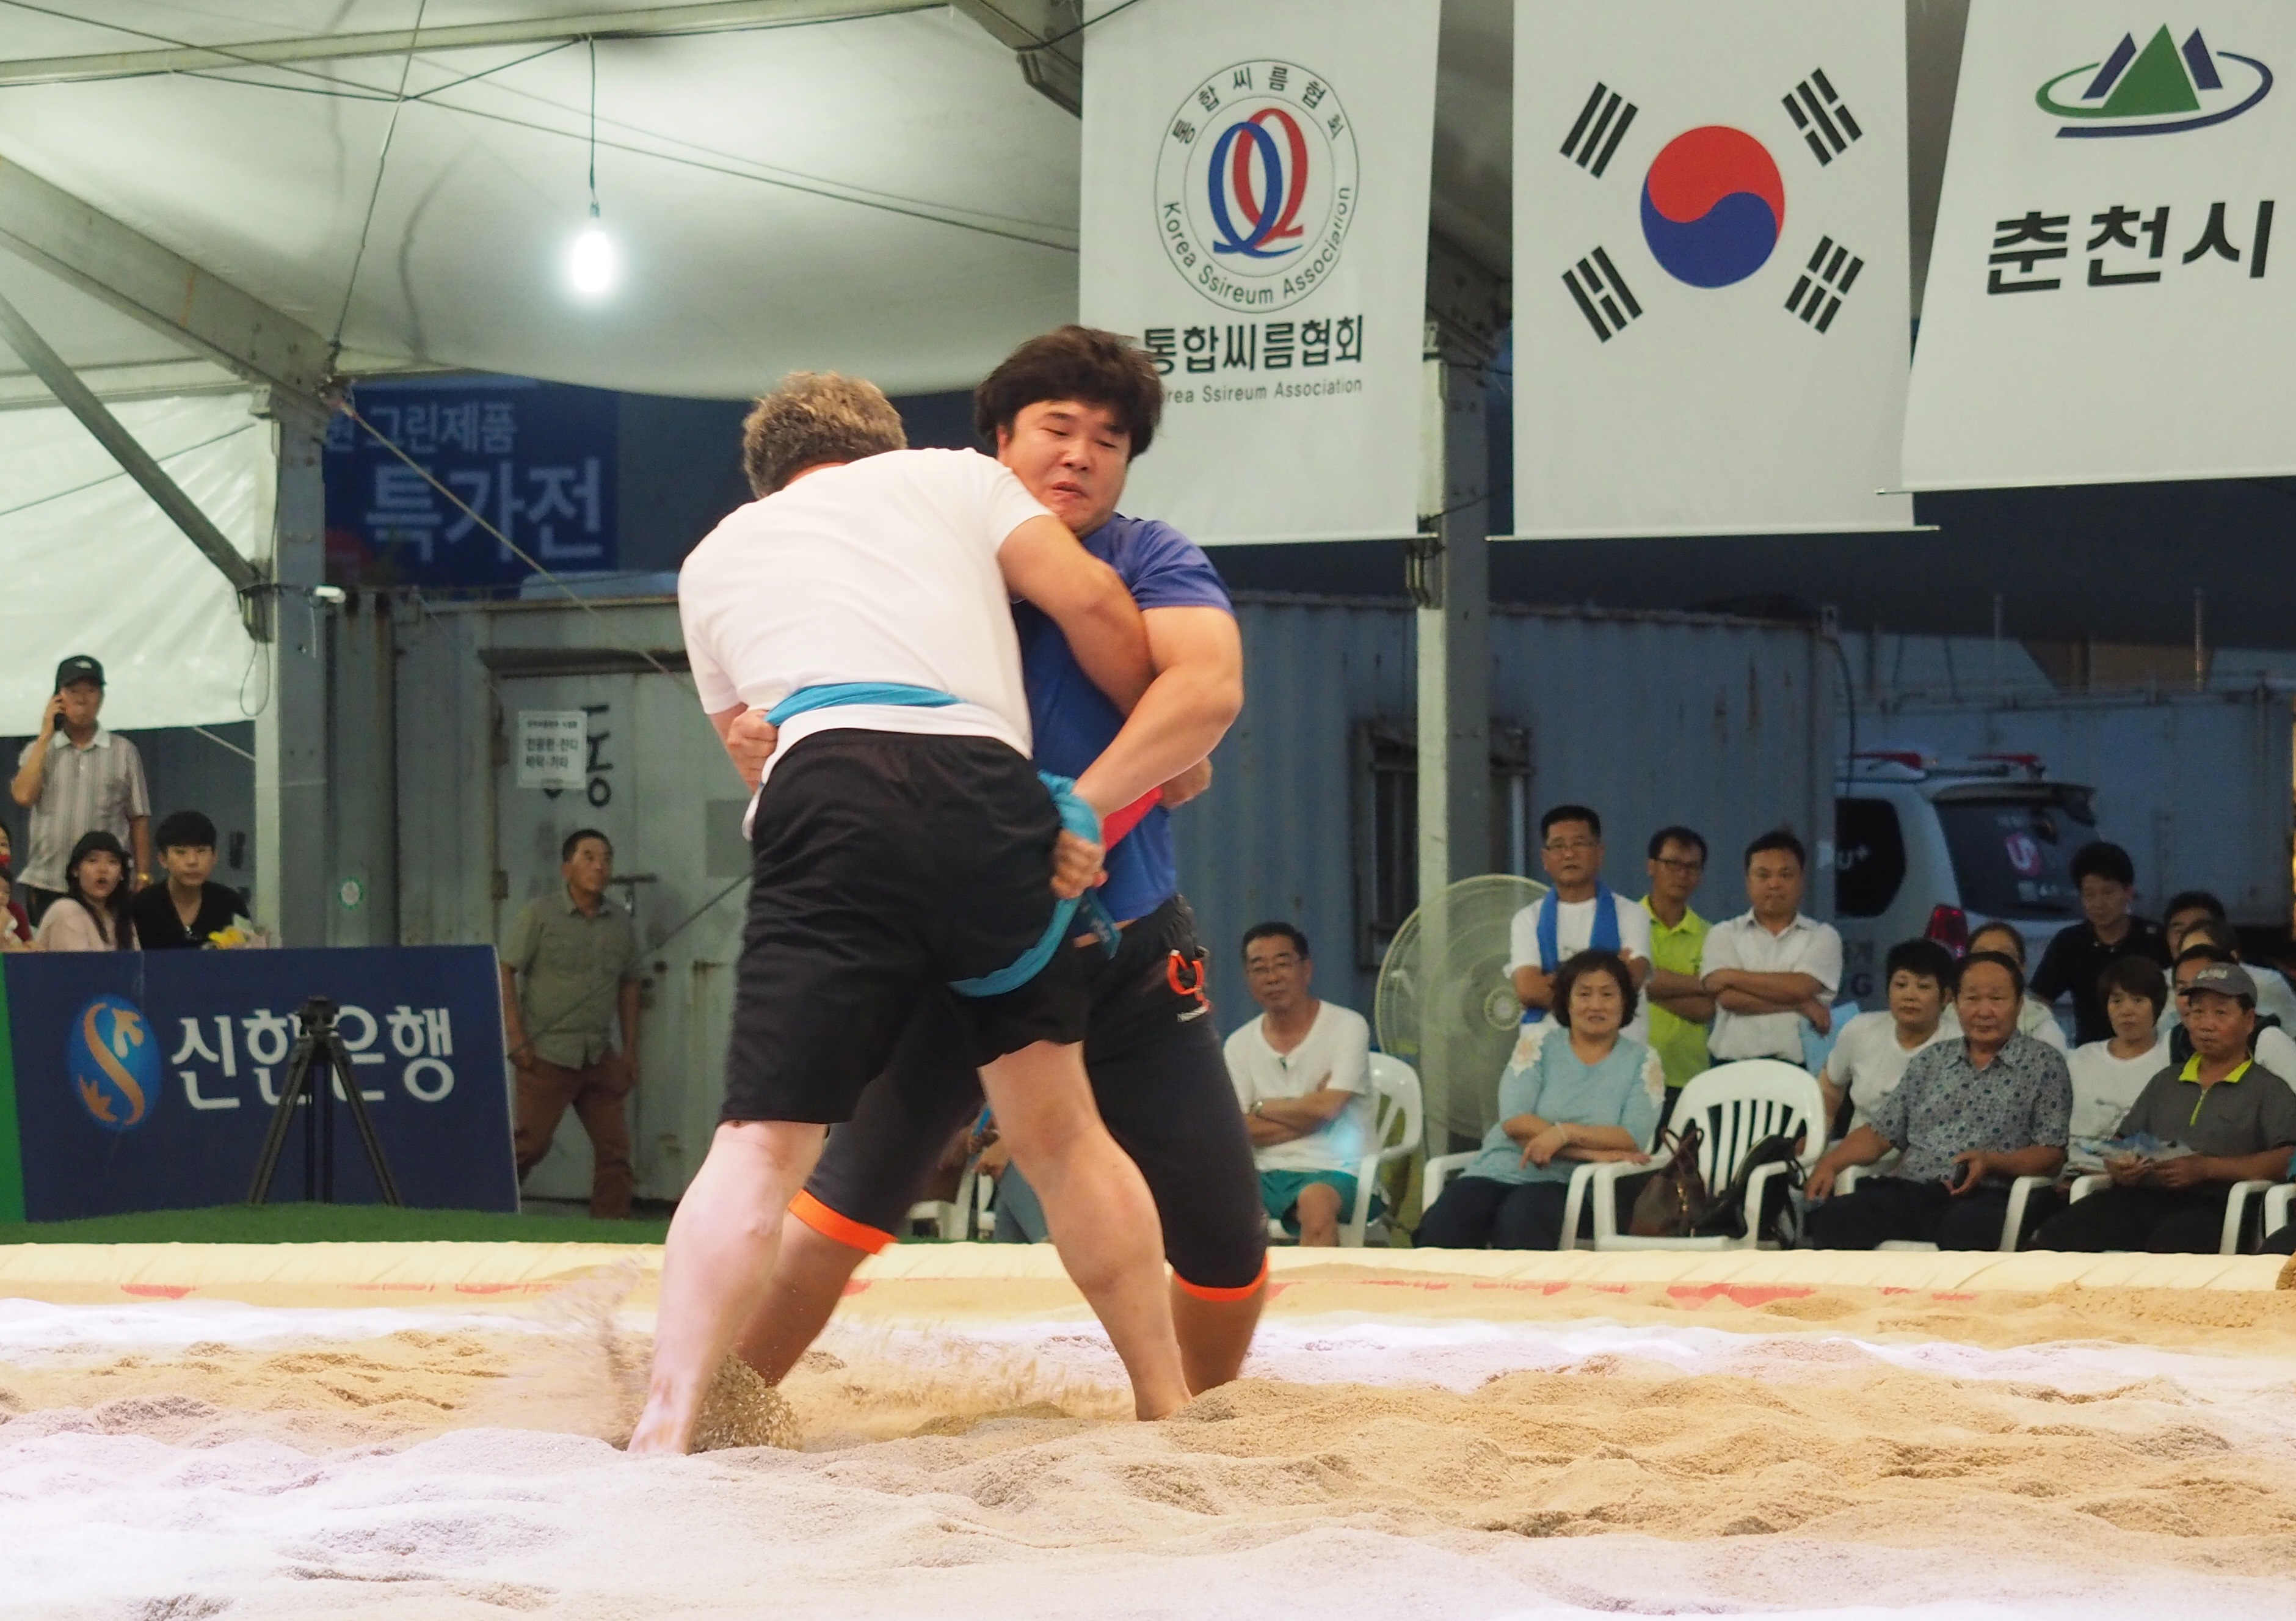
137, 462
290, 728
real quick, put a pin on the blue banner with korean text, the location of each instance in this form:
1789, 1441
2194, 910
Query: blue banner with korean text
146, 1081
535, 460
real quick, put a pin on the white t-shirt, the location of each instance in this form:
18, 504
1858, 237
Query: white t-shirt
1574, 931
883, 570
1806, 946
1867, 1062
2105, 1086
1336, 1053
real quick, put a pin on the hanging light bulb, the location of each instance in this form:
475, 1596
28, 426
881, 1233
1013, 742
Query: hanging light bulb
591, 263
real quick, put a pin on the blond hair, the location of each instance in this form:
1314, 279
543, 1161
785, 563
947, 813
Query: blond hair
812, 418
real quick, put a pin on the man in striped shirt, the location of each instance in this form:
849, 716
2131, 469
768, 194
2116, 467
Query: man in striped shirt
76, 777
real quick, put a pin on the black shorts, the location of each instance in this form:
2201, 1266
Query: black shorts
1162, 1087
886, 865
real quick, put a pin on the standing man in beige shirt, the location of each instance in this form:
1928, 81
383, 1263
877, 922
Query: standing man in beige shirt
76, 777
577, 954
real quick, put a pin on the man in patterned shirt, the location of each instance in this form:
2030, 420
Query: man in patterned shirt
1971, 1116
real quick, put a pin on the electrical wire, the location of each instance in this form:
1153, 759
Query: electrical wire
783, 179
58, 495
381, 164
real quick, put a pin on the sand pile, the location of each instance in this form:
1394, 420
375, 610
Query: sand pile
1370, 1467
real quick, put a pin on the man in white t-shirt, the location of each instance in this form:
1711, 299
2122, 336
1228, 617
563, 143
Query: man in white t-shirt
901, 843
1302, 1076
1870, 1055
1579, 913
1770, 968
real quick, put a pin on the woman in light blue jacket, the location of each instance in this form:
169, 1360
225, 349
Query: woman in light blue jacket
1589, 1093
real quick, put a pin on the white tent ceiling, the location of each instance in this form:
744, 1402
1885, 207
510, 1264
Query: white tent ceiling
880, 193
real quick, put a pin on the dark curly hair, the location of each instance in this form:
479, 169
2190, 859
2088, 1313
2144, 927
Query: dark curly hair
1078, 363
1577, 968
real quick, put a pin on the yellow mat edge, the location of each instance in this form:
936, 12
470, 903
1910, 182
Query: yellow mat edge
173, 1270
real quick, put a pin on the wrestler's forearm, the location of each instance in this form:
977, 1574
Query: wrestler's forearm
1187, 709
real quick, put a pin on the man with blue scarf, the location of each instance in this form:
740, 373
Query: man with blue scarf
1581, 913
901, 842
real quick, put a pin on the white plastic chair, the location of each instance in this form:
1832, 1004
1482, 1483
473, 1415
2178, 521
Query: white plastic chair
947, 1216
1399, 1110
2235, 1207
1736, 1106
2021, 1196
2277, 1212
976, 1205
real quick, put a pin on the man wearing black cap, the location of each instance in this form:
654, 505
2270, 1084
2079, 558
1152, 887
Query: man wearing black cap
76, 779
2235, 1119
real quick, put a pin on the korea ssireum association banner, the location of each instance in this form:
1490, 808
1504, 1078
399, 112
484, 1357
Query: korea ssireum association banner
1710, 267
2107, 300
1255, 213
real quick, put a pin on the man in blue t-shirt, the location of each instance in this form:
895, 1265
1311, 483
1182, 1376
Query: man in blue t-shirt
1068, 412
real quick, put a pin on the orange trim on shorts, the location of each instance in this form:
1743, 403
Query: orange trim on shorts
1203, 1292
835, 1228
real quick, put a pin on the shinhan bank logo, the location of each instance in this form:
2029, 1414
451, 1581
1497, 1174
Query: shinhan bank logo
2162, 90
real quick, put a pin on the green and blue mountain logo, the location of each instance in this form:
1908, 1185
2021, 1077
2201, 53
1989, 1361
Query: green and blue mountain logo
2162, 89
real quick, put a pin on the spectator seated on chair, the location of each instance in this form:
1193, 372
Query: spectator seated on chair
2268, 1044
1870, 1057
1971, 1113
187, 911
2275, 1000
2035, 1018
1595, 1095
1302, 1076
2108, 1075
2237, 1118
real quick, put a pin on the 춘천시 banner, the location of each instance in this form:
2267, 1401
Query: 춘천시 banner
2105, 300
1710, 267
1255, 212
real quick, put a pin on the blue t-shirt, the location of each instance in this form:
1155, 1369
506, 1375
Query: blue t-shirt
1073, 720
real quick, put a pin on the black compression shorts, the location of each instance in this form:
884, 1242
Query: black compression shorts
1160, 1080
885, 865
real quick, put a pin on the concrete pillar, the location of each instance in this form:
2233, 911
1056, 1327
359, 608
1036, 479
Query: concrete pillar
1451, 586
291, 731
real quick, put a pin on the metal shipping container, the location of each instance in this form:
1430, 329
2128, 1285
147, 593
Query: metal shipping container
1723, 724
1650, 719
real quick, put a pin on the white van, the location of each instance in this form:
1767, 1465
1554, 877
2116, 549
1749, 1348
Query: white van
1935, 848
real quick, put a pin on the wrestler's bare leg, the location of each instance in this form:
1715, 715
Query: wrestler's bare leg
1097, 1209
716, 1264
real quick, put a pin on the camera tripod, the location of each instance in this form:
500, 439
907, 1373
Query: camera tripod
319, 1058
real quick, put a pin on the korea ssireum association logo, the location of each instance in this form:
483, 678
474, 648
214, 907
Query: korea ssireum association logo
1256, 184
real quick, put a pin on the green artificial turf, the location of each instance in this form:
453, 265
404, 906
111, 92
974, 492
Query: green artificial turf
332, 1224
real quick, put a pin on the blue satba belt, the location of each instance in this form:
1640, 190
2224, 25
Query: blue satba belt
1075, 816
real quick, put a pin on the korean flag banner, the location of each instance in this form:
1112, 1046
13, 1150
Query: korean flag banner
1710, 267
2108, 299
1256, 179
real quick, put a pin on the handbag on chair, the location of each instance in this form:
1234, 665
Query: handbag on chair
1672, 1203
1726, 1216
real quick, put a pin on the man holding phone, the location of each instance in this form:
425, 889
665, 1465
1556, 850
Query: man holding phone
76, 777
